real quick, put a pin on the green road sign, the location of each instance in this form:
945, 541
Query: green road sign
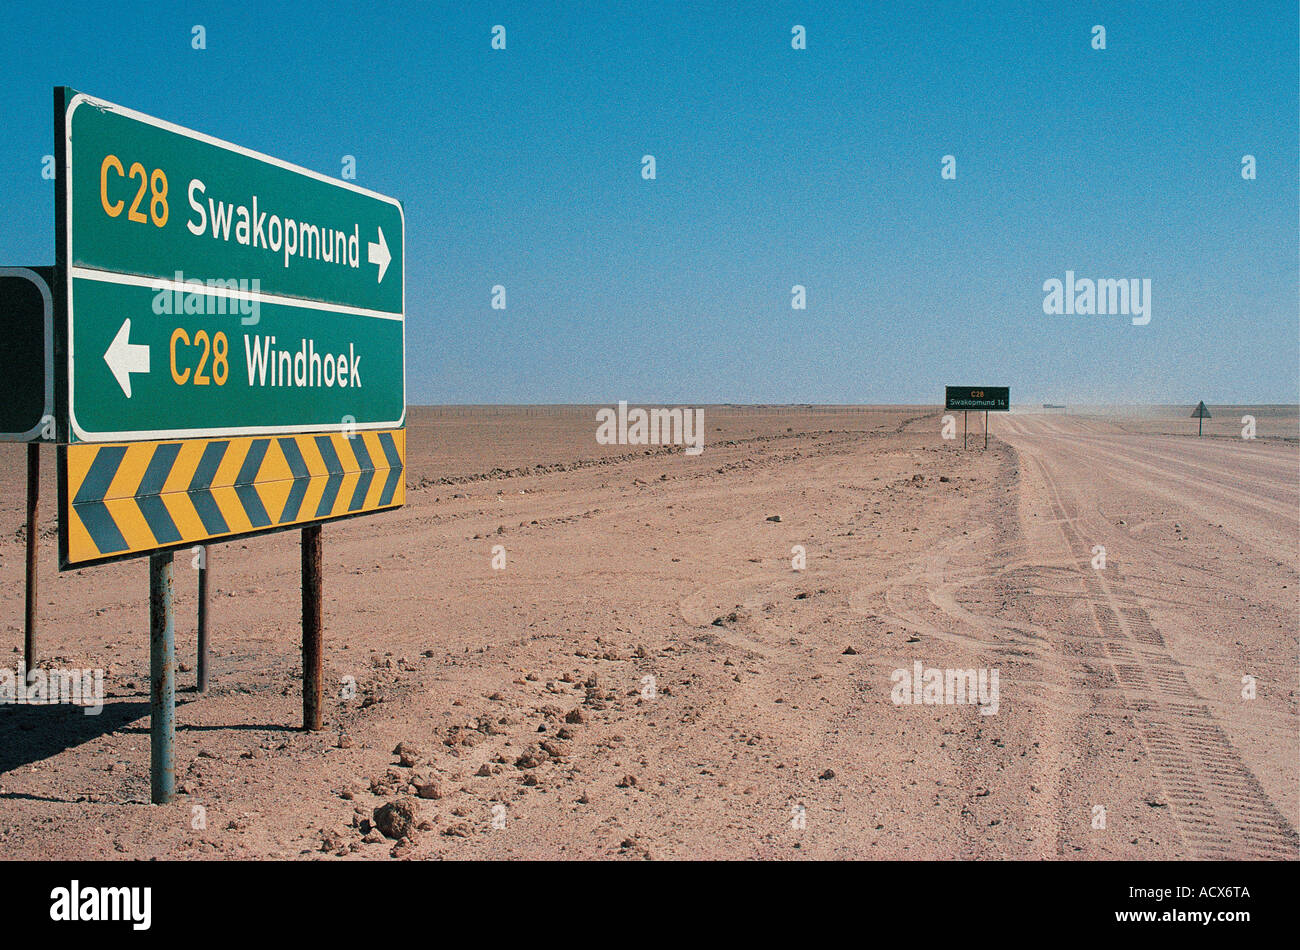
1200, 412
27, 357
203, 289
978, 398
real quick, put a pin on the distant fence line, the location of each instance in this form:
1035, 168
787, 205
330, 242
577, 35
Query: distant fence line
583, 410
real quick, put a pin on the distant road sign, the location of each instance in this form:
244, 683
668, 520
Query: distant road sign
1200, 414
978, 398
206, 290
128, 499
27, 357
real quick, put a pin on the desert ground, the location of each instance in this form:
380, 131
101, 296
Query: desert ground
524, 698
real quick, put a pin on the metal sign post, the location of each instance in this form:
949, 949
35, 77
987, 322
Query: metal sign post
162, 681
312, 634
202, 660
33, 505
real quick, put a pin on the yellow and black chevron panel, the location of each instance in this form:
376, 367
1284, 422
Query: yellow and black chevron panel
120, 500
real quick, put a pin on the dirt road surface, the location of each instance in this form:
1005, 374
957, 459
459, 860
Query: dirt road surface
649, 676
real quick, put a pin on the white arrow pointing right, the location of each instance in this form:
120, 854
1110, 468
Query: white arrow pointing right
124, 357
379, 254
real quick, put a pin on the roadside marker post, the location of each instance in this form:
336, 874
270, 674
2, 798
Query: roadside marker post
27, 412
231, 362
312, 634
979, 398
1200, 414
162, 681
33, 508
201, 662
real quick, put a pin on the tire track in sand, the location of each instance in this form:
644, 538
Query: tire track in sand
1222, 810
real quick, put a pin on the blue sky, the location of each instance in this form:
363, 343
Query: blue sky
775, 167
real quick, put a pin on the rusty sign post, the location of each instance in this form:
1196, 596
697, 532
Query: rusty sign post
162, 681
312, 632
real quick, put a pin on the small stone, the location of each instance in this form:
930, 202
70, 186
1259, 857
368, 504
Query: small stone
428, 788
553, 749
828, 774
397, 819
530, 759
408, 755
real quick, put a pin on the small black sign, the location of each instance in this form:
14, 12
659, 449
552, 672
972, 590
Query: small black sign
26, 360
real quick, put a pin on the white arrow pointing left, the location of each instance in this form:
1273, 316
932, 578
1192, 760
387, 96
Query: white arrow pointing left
379, 254
124, 357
